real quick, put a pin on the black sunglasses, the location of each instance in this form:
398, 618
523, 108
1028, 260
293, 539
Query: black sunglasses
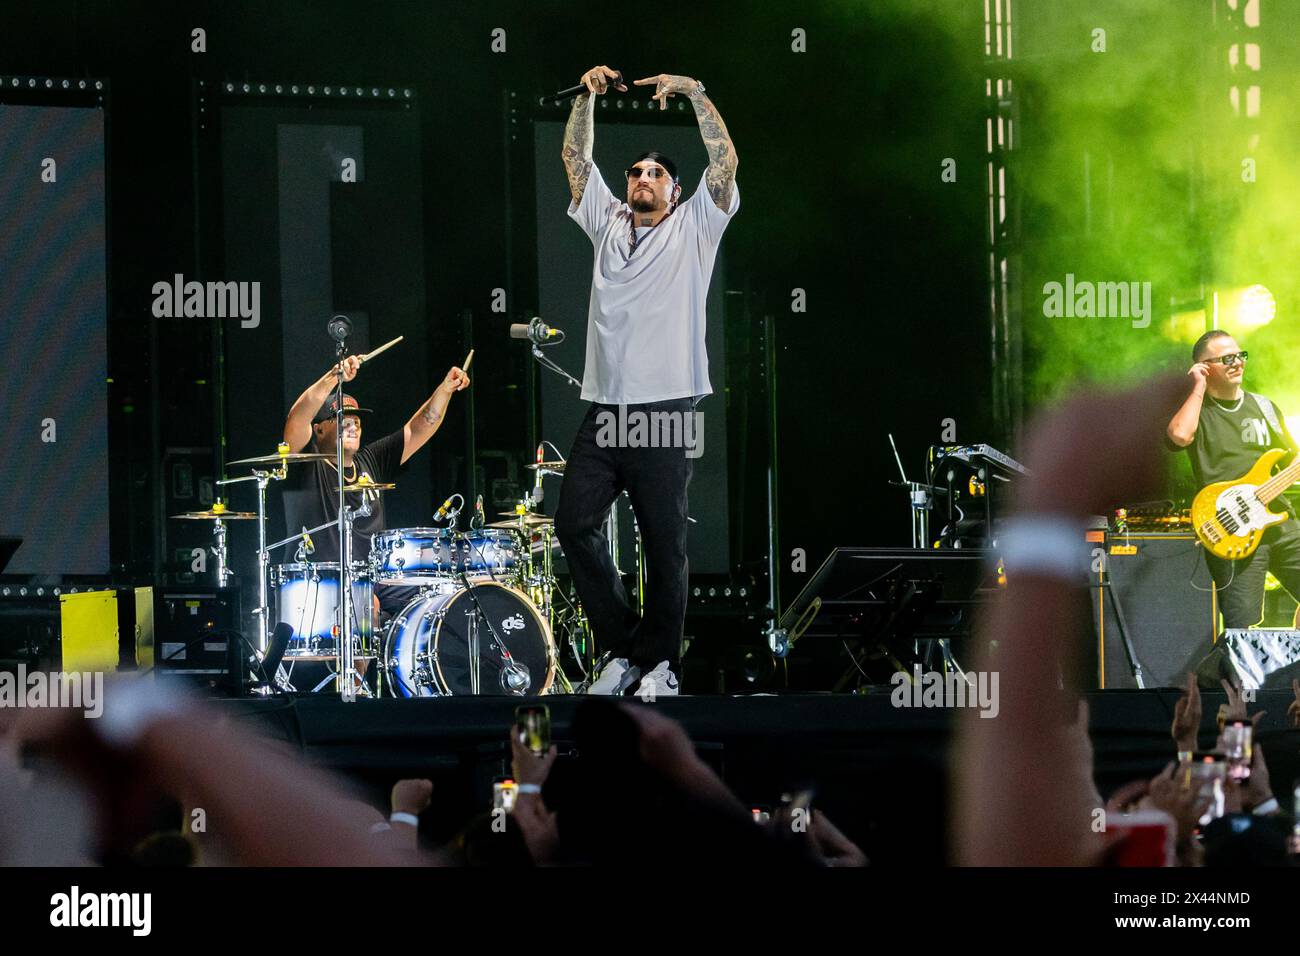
1233, 358
656, 172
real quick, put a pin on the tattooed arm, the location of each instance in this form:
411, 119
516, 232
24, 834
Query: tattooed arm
298, 426
429, 418
580, 131
721, 174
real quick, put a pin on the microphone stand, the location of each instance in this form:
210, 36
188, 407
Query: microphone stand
611, 519
347, 690
545, 362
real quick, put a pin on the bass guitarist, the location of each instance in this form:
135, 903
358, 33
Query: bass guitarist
1225, 430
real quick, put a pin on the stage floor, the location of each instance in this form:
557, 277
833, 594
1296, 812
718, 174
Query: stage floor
866, 759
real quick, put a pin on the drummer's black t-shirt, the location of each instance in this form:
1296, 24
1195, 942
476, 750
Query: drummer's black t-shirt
1231, 436
311, 495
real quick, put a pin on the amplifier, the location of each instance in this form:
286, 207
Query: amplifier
196, 634
1155, 586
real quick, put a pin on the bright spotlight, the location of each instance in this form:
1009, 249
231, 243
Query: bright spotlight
1249, 307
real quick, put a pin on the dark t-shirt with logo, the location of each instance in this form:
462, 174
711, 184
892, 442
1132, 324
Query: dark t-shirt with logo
311, 495
1230, 438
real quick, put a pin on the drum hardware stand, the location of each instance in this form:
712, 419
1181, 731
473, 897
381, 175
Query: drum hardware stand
223, 568
282, 677
263, 478
921, 503
471, 638
340, 326
1107, 590
349, 677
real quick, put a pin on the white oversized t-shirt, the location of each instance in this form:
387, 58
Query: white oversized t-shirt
646, 320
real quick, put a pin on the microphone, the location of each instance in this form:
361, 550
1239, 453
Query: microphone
582, 88
478, 514
275, 651
307, 542
538, 491
442, 512
514, 677
340, 327
536, 331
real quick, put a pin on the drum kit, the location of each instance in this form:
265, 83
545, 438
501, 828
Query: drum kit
486, 606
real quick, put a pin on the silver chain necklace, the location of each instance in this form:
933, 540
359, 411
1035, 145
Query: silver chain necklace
1240, 398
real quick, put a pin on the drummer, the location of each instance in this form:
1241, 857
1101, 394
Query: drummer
311, 491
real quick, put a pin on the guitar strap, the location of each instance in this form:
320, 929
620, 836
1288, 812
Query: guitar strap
1270, 415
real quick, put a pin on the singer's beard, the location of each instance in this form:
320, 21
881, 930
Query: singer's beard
639, 204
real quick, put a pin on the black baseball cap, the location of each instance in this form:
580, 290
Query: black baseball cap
330, 410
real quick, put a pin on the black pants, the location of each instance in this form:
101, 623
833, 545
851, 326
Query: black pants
1240, 584
655, 479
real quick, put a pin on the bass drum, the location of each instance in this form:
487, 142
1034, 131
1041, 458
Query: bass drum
428, 648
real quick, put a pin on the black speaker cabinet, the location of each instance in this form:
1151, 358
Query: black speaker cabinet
1159, 586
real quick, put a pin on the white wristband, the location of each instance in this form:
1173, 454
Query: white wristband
1045, 544
400, 817
1268, 806
528, 788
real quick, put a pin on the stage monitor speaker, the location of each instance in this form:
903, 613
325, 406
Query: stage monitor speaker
1158, 590
1257, 658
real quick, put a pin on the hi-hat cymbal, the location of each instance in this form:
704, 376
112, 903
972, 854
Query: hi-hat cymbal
554, 467
370, 486
291, 457
212, 515
529, 520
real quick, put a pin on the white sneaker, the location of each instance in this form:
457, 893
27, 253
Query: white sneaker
614, 678
660, 682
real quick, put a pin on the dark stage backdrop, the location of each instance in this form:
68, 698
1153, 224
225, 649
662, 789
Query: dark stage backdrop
53, 322
321, 246
564, 261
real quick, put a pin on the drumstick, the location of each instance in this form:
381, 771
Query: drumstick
468, 358
369, 355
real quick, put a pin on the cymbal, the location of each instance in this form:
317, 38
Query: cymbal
554, 467
212, 515
276, 459
370, 486
529, 520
